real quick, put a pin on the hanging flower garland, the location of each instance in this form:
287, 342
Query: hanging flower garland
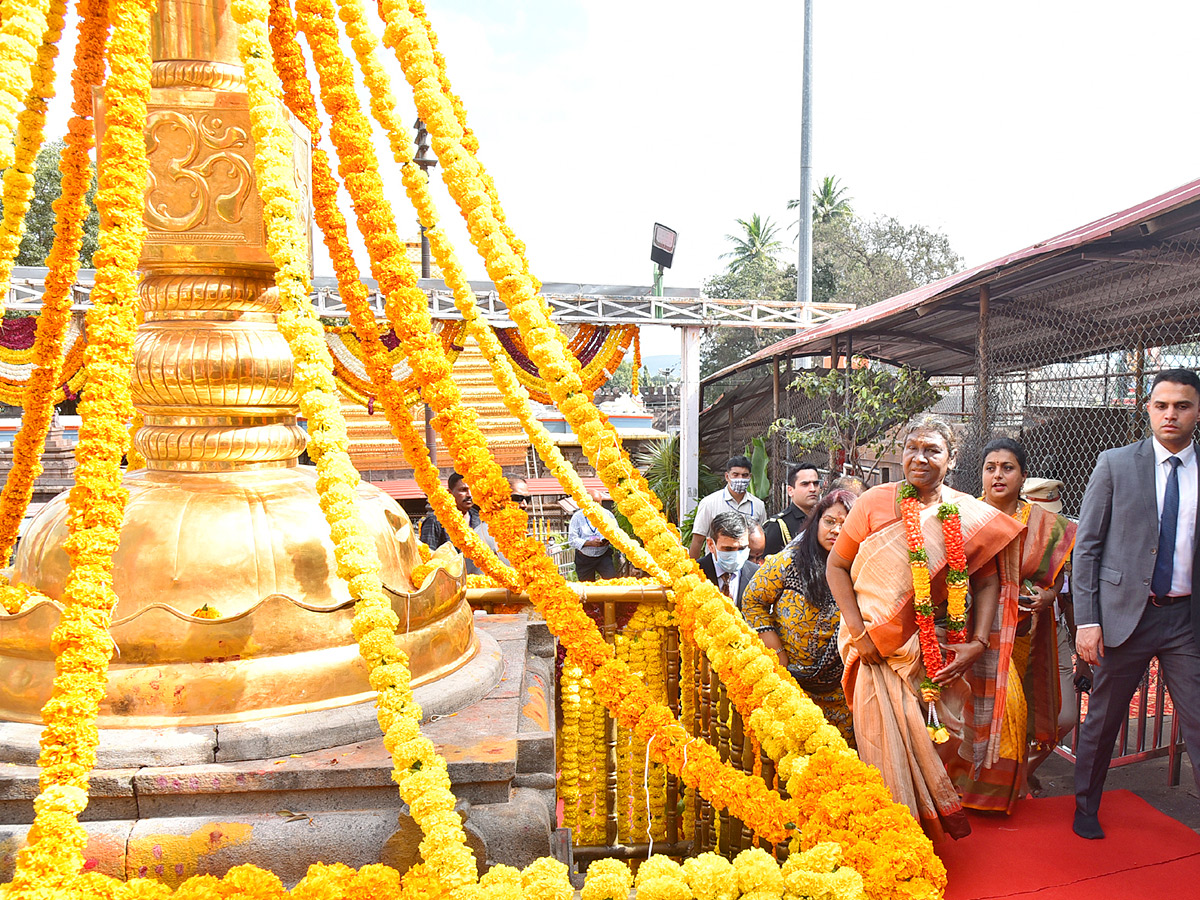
510, 387
408, 312
21, 37
31, 123
376, 358
789, 723
957, 581
597, 436
19, 358
420, 773
350, 361
599, 350
54, 849
56, 326
637, 362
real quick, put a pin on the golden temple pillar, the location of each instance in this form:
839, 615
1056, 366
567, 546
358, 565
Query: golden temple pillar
222, 516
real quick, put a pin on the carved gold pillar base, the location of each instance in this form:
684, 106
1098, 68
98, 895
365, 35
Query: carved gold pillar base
222, 517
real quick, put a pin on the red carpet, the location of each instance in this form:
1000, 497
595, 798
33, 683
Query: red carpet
1034, 853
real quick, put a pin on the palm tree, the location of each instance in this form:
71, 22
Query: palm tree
758, 243
829, 202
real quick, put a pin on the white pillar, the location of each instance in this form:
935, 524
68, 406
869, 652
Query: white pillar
689, 418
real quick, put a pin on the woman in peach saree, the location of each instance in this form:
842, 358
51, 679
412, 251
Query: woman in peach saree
871, 580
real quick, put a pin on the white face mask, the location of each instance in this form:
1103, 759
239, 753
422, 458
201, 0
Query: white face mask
739, 485
731, 561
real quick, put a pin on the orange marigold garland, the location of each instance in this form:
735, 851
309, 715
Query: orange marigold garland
956, 580
956, 574
637, 361
409, 312
298, 96
42, 389
54, 852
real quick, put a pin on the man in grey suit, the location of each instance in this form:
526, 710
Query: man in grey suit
1136, 583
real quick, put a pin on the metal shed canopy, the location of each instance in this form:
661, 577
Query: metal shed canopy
935, 327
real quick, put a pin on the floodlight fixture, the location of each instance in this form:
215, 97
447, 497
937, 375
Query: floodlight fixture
662, 248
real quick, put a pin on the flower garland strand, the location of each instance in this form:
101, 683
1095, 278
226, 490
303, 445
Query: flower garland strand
31, 124
409, 314
789, 723
597, 436
508, 383
637, 362
70, 212
420, 773
21, 34
956, 574
54, 849
299, 99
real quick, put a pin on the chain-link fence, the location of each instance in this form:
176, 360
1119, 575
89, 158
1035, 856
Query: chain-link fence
1069, 365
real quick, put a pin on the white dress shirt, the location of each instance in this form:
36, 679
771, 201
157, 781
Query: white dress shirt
1185, 531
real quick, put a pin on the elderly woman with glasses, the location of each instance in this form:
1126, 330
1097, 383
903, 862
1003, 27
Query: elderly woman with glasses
789, 604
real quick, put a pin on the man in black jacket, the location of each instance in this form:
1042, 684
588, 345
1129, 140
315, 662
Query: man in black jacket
727, 562
804, 490
433, 532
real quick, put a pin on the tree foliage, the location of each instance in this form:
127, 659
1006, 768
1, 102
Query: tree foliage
659, 463
880, 398
863, 261
39, 221
762, 280
830, 202
757, 244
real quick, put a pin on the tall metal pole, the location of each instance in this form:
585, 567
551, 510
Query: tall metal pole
804, 265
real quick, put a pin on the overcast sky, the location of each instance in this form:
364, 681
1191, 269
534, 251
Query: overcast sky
999, 124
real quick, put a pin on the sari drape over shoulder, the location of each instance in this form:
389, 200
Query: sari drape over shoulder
889, 715
1045, 548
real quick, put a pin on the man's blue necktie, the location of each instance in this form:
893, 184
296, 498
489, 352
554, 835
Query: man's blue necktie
1164, 567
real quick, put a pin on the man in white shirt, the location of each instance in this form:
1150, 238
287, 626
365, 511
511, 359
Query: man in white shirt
1135, 584
593, 553
734, 497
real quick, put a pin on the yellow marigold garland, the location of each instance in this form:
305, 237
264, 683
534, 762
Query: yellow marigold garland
31, 123
790, 725
42, 391
409, 315
511, 388
299, 98
21, 34
54, 849
420, 772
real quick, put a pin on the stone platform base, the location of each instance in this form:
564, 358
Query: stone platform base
327, 805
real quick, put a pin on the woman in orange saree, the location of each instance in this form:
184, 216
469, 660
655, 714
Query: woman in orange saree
871, 577
1034, 701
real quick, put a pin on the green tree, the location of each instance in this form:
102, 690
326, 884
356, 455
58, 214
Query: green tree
621, 381
39, 220
756, 245
760, 280
863, 261
880, 398
659, 462
830, 202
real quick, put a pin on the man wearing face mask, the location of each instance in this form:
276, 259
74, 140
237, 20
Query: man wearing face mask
734, 497
727, 562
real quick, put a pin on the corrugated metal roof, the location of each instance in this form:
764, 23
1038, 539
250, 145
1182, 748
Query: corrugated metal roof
935, 327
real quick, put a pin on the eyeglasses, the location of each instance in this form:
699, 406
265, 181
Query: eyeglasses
522, 498
830, 522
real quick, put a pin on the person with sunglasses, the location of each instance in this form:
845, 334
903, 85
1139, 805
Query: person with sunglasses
524, 500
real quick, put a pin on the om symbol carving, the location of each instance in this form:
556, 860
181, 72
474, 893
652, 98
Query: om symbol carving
199, 173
